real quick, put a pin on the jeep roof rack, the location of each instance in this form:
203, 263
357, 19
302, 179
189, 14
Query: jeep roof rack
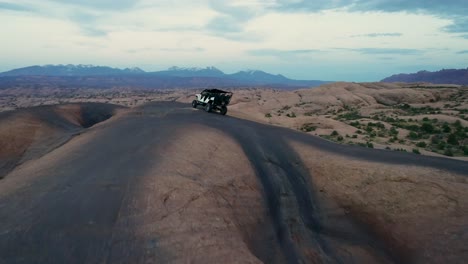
215, 91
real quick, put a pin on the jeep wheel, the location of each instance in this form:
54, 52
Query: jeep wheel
223, 110
208, 107
194, 103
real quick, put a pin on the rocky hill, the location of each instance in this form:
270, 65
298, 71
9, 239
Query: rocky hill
446, 76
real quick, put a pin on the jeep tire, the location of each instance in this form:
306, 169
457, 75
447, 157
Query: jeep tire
223, 110
208, 107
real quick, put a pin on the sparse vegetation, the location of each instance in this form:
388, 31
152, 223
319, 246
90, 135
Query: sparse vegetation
308, 127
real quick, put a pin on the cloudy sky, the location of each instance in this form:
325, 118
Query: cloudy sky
352, 40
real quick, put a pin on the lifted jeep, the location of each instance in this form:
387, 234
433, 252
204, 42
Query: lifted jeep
213, 99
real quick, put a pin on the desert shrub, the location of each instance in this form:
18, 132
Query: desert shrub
350, 116
393, 131
390, 119
421, 144
334, 133
354, 136
416, 151
441, 145
446, 128
359, 132
370, 145
388, 148
452, 139
340, 138
413, 135
412, 127
268, 115
292, 115
355, 124
427, 127
308, 127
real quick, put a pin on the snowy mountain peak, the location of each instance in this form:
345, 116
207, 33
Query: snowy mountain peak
193, 69
134, 70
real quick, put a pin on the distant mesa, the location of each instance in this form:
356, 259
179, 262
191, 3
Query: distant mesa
445, 76
104, 77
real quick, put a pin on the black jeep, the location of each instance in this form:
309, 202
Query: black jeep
213, 99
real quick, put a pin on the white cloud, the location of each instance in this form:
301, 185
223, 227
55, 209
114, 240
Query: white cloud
165, 33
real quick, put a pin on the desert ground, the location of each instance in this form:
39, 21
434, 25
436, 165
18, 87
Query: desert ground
161, 182
418, 117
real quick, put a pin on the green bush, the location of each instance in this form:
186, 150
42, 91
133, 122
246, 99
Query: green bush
416, 151
393, 131
441, 145
350, 116
421, 144
355, 124
340, 138
446, 128
413, 135
334, 133
427, 127
370, 145
308, 127
452, 139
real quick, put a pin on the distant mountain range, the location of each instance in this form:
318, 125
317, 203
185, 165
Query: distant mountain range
446, 76
90, 75
70, 70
